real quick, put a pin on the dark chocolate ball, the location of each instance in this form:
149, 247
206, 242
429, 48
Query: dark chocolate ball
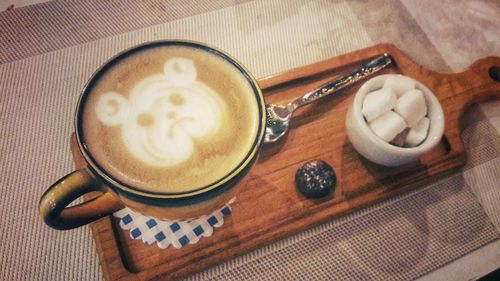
315, 179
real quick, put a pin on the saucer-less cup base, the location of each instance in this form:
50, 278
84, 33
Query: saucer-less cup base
375, 149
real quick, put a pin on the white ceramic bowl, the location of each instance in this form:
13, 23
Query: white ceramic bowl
375, 149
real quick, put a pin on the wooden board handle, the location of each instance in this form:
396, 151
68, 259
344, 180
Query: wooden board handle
480, 82
458, 91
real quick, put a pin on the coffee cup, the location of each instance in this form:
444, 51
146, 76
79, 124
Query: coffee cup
167, 128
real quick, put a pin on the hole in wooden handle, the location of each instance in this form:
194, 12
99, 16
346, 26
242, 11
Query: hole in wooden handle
494, 73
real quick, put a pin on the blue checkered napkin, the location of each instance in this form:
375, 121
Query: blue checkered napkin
171, 232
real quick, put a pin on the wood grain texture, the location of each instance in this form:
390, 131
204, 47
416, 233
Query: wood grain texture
317, 132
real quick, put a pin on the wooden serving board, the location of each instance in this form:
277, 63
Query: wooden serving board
270, 207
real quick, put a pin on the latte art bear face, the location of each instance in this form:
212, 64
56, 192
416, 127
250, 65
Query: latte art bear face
164, 114
169, 118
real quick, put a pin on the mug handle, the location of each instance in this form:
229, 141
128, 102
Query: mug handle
53, 204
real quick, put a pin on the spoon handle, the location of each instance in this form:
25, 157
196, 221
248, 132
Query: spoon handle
371, 67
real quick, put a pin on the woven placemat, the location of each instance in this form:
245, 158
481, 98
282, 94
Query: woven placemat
49, 51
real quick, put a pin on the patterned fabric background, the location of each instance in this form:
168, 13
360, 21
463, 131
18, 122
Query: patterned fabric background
49, 50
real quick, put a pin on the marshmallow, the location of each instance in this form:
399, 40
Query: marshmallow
418, 133
377, 103
411, 106
388, 125
399, 84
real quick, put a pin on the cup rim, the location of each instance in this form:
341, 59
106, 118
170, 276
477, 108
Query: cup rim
437, 123
101, 172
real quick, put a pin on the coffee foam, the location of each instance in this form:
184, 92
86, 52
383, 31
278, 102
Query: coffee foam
164, 114
171, 119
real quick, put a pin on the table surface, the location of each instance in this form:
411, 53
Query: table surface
49, 49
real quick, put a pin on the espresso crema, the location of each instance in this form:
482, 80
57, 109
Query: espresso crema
170, 119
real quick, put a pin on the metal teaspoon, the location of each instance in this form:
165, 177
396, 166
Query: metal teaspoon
278, 116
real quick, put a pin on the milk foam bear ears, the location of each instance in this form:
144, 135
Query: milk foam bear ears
180, 71
163, 114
